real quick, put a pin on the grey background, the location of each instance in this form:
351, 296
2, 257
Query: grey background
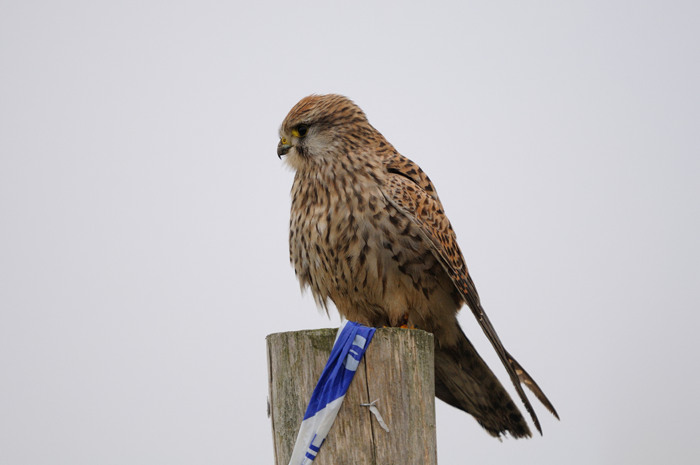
144, 213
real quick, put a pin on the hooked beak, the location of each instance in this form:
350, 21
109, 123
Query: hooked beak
283, 147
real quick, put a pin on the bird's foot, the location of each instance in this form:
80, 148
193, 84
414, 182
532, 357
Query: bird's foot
404, 322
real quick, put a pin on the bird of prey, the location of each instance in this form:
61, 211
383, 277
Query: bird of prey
368, 231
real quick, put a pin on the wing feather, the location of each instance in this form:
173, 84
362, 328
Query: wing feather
412, 193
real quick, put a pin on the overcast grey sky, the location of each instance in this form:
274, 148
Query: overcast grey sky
144, 213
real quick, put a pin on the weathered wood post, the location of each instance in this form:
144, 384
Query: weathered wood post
397, 371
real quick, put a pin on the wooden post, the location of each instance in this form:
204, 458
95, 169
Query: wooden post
397, 371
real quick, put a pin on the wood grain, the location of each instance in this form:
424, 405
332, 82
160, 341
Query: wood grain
397, 370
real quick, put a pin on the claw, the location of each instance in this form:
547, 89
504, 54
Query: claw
405, 324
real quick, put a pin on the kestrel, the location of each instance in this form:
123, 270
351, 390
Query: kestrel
368, 231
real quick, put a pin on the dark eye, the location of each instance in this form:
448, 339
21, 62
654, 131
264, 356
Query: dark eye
300, 131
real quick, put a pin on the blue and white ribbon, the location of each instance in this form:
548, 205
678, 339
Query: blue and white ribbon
350, 345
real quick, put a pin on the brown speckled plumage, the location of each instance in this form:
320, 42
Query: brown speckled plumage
368, 232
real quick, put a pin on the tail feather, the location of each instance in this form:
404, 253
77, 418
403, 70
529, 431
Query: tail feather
466, 288
463, 380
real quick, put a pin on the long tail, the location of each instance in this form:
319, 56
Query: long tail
463, 380
517, 374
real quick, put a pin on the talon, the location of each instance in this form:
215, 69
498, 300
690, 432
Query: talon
404, 322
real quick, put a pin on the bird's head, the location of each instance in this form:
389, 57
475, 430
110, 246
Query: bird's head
320, 128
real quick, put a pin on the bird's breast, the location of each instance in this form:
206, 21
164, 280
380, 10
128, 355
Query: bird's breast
350, 245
